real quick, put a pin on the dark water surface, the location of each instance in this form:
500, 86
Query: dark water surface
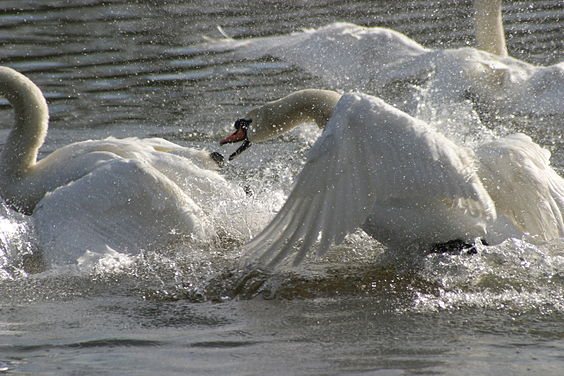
143, 68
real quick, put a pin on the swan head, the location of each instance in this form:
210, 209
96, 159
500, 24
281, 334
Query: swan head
280, 116
240, 134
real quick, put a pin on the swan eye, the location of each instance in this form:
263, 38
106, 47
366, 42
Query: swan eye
242, 124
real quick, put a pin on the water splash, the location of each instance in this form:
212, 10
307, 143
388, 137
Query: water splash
16, 244
517, 275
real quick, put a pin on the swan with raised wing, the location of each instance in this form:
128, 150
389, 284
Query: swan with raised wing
389, 64
375, 167
100, 196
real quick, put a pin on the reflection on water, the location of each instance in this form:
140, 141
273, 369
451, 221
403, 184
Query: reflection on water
139, 68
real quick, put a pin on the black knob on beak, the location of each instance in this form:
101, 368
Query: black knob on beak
218, 158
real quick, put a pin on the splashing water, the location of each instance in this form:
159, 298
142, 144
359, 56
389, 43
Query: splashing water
519, 274
16, 246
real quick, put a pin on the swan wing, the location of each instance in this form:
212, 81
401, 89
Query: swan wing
525, 188
124, 205
368, 151
371, 56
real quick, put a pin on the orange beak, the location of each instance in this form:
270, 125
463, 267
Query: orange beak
239, 135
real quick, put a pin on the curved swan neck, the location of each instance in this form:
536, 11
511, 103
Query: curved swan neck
31, 121
489, 32
280, 116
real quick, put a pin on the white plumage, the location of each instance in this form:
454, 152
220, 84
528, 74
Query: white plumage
389, 64
526, 190
101, 196
378, 168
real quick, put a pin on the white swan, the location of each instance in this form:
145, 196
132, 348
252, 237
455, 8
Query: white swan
98, 196
387, 63
380, 169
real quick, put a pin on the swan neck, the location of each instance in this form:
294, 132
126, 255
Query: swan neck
19, 153
280, 116
489, 31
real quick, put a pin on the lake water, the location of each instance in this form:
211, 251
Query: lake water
152, 68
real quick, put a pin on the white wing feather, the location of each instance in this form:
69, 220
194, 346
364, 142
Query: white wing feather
368, 151
517, 173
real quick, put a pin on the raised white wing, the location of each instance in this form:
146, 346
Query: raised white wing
370, 56
517, 173
368, 151
124, 205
